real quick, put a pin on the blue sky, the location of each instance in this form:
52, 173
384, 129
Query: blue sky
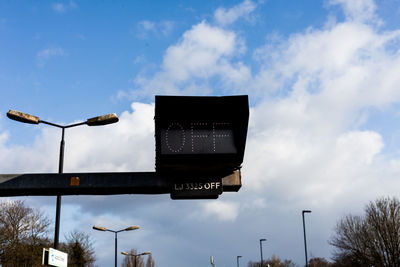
322, 79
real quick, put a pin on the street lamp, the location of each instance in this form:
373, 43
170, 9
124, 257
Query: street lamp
100, 228
212, 261
261, 240
304, 230
96, 121
135, 255
237, 260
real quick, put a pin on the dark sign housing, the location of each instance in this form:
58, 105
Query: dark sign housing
200, 135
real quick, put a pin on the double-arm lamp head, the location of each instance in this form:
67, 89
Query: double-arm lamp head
135, 255
130, 228
96, 121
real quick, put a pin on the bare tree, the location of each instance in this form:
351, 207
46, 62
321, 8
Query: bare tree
274, 261
150, 262
80, 250
319, 262
370, 240
23, 234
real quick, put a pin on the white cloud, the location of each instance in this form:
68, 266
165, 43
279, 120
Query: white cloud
358, 10
167, 27
125, 146
222, 210
62, 8
59, 7
199, 53
147, 28
41, 156
324, 86
204, 52
226, 17
50, 52
46, 54
147, 25
358, 148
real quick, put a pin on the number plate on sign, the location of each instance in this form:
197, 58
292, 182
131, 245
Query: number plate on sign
196, 188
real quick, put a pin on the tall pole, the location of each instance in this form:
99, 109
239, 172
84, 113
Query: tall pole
58, 204
237, 260
304, 231
116, 248
261, 252
99, 228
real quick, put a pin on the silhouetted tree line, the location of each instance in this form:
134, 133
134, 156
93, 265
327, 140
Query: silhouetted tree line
23, 235
274, 261
369, 240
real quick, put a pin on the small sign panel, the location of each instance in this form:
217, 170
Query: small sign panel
196, 188
57, 258
200, 134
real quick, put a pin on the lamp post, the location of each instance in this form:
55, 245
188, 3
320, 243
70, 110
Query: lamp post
135, 255
100, 228
261, 240
212, 261
305, 239
237, 260
96, 121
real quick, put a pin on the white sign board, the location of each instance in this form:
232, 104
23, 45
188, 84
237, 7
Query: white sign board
57, 258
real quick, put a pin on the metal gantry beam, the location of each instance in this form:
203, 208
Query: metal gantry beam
110, 183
